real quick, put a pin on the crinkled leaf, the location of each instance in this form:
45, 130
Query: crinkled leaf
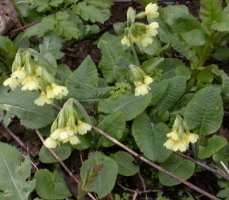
98, 174
215, 143
150, 138
111, 51
168, 67
179, 18
68, 29
100, 3
63, 151
7, 51
90, 12
222, 154
178, 166
114, 125
222, 54
89, 94
86, 76
204, 113
195, 37
224, 192
51, 44
167, 36
222, 24
167, 92
21, 104
126, 167
42, 27
41, 5
210, 11
14, 172
51, 185
130, 106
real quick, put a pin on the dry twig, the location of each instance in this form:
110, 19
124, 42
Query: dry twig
150, 163
63, 164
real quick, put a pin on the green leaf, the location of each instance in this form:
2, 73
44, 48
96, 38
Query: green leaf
195, 37
215, 143
166, 35
20, 103
111, 50
222, 54
89, 94
167, 92
63, 151
224, 193
51, 185
179, 18
68, 29
86, 76
210, 11
168, 67
222, 154
150, 138
98, 174
90, 12
222, 24
114, 125
41, 5
51, 44
126, 167
56, 3
178, 166
204, 113
39, 29
7, 51
100, 3
14, 173
130, 106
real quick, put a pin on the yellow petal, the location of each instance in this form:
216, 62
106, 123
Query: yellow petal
83, 127
50, 143
11, 82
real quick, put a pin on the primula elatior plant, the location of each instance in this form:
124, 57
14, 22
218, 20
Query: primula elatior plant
64, 128
180, 136
158, 90
29, 75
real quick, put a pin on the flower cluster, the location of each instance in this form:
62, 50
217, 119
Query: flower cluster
139, 33
29, 75
66, 127
180, 136
141, 80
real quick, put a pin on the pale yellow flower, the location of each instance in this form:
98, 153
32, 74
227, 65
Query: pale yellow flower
30, 83
83, 127
19, 73
144, 40
125, 41
56, 134
192, 137
74, 140
177, 145
151, 29
11, 82
38, 71
50, 143
151, 10
141, 88
62, 134
42, 99
147, 80
174, 135
56, 91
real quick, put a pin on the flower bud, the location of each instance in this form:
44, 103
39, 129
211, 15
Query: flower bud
130, 16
